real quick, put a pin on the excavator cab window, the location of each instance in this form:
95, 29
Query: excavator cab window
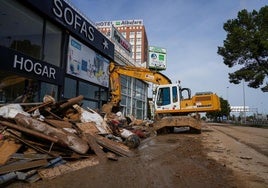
174, 94
185, 93
163, 97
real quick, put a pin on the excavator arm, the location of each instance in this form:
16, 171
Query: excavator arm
134, 72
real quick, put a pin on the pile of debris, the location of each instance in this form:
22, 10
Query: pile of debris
54, 138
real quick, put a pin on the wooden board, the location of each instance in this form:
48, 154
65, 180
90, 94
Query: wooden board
88, 127
115, 147
7, 148
22, 165
51, 173
96, 147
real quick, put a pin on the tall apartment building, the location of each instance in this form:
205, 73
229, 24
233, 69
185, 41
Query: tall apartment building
134, 31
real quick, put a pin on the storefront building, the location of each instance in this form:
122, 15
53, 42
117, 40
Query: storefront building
49, 48
134, 92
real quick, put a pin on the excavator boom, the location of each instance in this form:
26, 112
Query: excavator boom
135, 72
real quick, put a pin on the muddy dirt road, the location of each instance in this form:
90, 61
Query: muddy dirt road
221, 156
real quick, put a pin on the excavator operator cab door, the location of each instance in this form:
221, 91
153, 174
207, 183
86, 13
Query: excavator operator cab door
167, 97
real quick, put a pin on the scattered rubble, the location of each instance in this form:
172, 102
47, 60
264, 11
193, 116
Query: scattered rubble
54, 138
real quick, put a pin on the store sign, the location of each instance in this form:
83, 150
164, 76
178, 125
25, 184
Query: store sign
117, 37
157, 58
72, 19
119, 23
64, 14
13, 61
25, 64
86, 64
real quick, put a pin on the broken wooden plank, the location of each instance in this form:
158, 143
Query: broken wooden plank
115, 147
72, 101
65, 138
95, 147
30, 144
39, 106
58, 123
29, 131
52, 114
8, 148
29, 156
22, 166
51, 173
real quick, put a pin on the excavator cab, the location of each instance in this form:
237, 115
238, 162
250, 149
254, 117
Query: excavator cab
175, 100
170, 97
167, 97
175, 107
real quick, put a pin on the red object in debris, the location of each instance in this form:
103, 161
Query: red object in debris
115, 122
139, 133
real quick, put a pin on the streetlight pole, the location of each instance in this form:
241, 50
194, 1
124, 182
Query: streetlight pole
227, 100
227, 92
244, 102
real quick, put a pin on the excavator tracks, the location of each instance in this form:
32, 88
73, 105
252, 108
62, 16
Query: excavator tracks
166, 124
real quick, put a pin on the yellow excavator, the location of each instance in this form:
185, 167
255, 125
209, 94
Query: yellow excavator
173, 105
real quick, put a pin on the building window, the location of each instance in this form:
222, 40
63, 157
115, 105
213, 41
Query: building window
52, 46
138, 61
139, 34
48, 89
94, 96
88, 91
124, 34
138, 55
138, 41
17, 89
138, 48
132, 34
132, 41
70, 88
91, 104
21, 30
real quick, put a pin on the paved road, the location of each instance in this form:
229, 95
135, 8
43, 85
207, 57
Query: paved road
243, 149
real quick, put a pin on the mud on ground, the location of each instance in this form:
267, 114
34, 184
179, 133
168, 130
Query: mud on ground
173, 160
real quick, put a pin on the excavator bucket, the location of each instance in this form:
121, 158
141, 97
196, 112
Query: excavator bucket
167, 124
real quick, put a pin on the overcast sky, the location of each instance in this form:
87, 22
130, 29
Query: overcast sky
191, 31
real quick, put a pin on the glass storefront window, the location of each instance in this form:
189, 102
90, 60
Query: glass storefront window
91, 104
139, 114
52, 46
88, 90
17, 89
139, 104
48, 89
123, 100
123, 89
69, 88
104, 94
20, 29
